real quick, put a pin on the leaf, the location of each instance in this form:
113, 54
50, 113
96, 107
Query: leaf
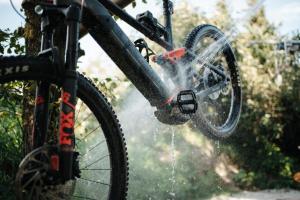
108, 79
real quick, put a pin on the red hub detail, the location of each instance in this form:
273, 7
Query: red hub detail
55, 162
39, 100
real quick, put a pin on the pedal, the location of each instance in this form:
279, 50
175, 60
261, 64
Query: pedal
187, 102
169, 57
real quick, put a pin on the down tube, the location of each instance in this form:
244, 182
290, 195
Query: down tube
117, 45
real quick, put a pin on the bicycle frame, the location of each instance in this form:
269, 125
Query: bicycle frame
103, 28
100, 24
97, 19
167, 43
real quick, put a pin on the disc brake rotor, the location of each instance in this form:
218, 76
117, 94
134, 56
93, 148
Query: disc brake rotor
35, 179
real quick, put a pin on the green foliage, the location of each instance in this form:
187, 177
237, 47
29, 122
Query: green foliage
10, 41
108, 87
10, 136
10, 119
152, 154
265, 147
265, 129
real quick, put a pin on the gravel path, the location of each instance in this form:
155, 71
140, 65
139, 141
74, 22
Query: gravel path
262, 195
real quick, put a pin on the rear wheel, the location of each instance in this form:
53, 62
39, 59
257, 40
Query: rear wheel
99, 141
219, 112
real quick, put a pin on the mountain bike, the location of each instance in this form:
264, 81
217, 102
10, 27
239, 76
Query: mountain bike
84, 156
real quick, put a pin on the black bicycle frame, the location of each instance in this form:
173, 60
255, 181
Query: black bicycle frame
103, 28
167, 43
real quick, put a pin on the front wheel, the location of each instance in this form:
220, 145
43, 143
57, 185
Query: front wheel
99, 141
218, 113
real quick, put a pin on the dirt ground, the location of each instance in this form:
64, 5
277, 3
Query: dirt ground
283, 194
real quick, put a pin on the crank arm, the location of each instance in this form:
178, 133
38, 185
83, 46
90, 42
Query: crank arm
207, 64
214, 69
210, 90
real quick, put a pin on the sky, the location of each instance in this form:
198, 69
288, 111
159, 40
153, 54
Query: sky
285, 11
285, 14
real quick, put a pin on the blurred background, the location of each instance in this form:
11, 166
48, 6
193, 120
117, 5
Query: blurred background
178, 162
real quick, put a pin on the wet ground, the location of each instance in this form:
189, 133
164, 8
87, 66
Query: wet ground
283, 194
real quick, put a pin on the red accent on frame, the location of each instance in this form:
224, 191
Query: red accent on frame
66, 99
169, 100
39, 100
66, 121
54, 162
171, 56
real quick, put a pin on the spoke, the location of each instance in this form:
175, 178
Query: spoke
32, 170
82, 197
199, 87
53, 195
218, 111
74, 195
95, 161
79, 140
84, 120
31, 179
98, 169
98, 182
37, 161
89, 133
93, 147
78, 112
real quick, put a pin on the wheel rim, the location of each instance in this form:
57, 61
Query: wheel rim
217, 109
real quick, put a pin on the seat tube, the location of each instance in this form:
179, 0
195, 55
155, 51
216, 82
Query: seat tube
168, 11
68, 93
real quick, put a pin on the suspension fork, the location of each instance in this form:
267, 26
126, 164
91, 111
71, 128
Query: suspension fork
41, 110
68, 93
66, 138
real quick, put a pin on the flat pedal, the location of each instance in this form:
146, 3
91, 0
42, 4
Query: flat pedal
187, 102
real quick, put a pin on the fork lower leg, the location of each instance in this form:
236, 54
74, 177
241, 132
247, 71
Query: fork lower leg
68, 98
